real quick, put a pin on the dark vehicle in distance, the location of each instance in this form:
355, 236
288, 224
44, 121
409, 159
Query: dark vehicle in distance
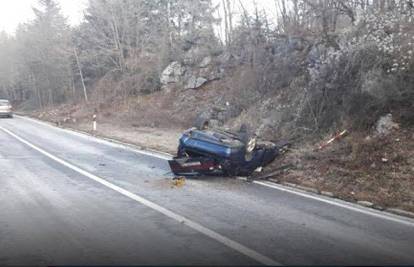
5, 108
206, 151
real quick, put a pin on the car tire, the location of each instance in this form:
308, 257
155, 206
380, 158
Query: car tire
228, 169
202, 123
181, 152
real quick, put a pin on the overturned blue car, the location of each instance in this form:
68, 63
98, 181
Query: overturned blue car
204, 150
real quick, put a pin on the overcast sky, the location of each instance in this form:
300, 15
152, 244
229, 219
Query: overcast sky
13, 12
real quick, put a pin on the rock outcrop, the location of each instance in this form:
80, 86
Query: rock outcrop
385, 125
195, 82
172, 73
191, 75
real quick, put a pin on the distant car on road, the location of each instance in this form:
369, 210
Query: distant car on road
6, 108
206, 151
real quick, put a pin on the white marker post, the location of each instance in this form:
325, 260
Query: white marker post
94, 122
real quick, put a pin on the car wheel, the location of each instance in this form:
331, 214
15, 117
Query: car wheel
181, 152
228, 169
201, 123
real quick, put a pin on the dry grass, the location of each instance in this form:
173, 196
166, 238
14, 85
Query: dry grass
376, 169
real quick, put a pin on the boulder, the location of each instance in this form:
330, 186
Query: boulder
196, 69
195, 82
205, 62
385, 125
172, 73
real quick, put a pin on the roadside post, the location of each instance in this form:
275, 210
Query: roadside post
94, 122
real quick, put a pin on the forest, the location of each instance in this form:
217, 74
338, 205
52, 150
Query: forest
347, 57
336, 51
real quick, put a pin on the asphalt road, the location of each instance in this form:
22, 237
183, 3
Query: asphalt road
67, 198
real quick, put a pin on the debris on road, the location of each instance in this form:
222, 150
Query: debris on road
327, 194
276, 172
178, 181
365, 203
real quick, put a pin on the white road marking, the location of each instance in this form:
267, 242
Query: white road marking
196, 226
339, 203
103, 140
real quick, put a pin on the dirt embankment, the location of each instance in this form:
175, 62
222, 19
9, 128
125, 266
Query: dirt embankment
114, 126
378, 169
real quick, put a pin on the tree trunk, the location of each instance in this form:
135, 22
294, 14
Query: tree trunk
226, 24
81, 75
39, 97
230, 14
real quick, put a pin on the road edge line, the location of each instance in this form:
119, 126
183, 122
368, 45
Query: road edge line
168, 213
101, 139
340, 203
